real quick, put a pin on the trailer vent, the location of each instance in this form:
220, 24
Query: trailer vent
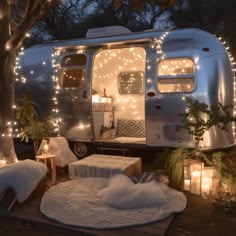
107, 31
171, 134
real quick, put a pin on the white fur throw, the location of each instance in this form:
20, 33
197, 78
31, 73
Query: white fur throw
123, 193
22, 177
60, 147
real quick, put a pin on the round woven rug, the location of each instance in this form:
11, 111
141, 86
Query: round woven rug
79, 203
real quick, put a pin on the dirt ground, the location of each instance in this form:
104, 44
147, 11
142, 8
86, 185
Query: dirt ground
204, 217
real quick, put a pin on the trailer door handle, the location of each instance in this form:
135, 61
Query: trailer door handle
84, 95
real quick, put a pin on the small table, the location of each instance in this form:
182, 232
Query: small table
98, 165
52, 159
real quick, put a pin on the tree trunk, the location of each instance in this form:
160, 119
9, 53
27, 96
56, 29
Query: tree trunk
7, 58
10, 42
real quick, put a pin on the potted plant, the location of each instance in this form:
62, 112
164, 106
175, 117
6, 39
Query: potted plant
31, 126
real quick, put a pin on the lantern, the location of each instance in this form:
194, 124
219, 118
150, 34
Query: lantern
45, 148
187, 175
210, 181
192, 176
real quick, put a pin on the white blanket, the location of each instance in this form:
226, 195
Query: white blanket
22, 177
83, 202
123, 193
60, 147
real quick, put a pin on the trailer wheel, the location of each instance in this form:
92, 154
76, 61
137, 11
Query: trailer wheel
80, 150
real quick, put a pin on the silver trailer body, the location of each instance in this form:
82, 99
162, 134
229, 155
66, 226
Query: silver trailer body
145, 76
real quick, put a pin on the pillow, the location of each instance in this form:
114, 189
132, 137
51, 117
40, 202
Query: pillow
130, 128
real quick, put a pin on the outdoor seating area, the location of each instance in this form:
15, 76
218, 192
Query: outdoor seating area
103, 191
131, 199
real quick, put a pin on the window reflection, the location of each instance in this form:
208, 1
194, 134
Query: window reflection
73, 71
131, 82
176, 75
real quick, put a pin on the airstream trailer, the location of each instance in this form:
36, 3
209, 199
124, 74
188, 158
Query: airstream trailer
118, 89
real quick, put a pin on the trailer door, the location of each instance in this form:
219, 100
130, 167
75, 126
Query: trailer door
74, 96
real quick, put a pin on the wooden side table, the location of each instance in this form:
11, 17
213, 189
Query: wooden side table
51, 158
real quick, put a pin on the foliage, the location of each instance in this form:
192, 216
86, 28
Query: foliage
31, 126
26, 110
172, 162
226, 172
140, 4
198, 118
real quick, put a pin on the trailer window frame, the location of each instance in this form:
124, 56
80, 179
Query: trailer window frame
73, 80
177, 81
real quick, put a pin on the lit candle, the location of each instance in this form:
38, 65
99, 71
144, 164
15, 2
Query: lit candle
104, 99
3, 162
95, 98
195, 182
45, 147
208, 184
187, 184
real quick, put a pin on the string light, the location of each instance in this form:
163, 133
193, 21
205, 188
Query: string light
231, 59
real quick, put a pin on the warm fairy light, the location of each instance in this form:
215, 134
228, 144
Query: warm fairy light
233, 70
7, 46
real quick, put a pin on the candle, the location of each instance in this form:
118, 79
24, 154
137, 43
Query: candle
95, 98
187, 184
45, 147
207, 181
206, 185
104, 99
195, 187
3, 162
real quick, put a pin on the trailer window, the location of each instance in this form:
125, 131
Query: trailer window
73, 71
74, 60
130, 82
175, 75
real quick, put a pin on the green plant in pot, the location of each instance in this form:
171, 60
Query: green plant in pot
197, 119
31, 126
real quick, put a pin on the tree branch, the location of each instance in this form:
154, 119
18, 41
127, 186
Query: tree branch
34, 10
